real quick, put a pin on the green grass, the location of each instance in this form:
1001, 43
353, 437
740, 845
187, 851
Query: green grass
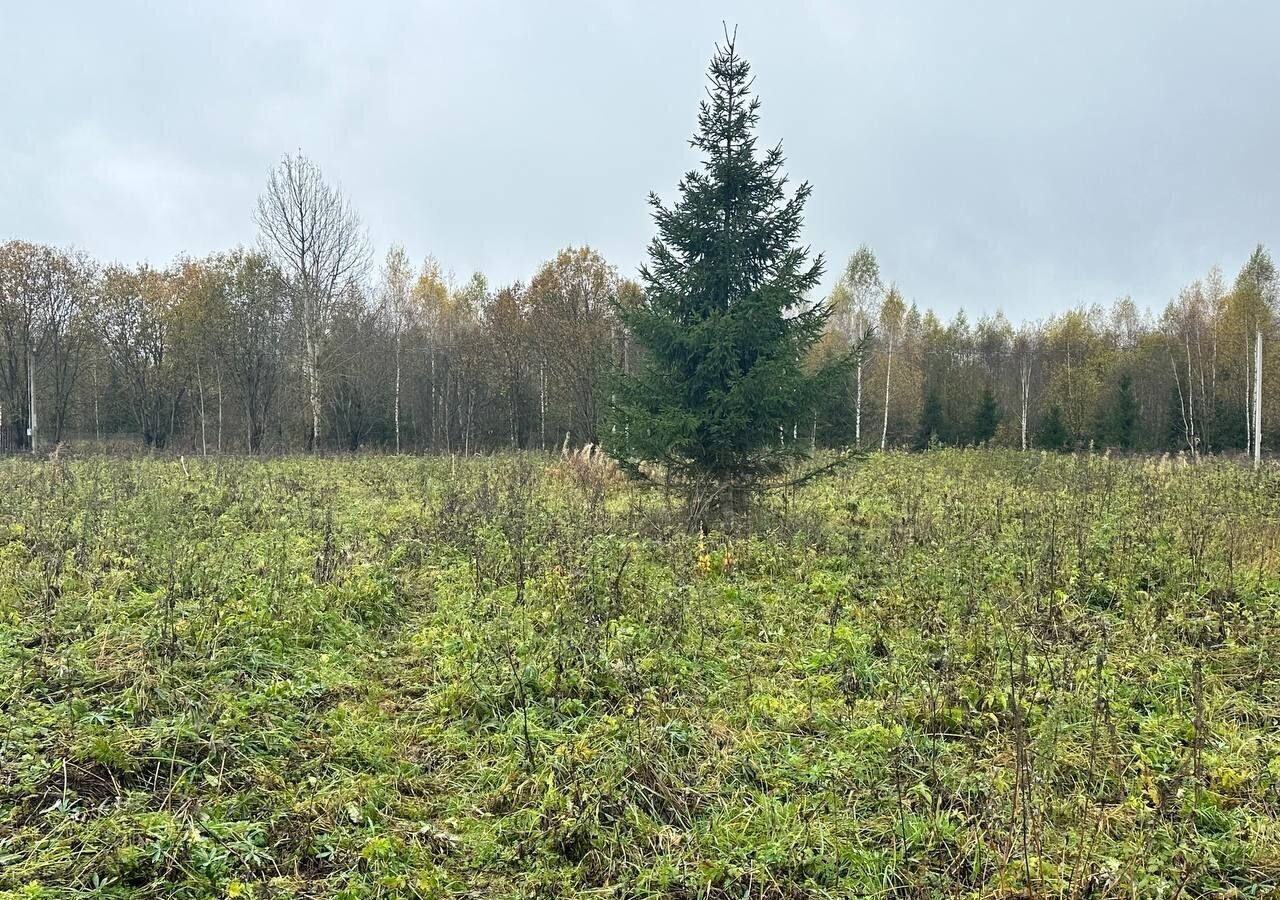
958, 674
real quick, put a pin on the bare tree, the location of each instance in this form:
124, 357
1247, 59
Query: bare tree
316, 239
43, 292
139, 319
253, 315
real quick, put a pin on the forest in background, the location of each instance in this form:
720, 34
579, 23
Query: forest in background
289, 347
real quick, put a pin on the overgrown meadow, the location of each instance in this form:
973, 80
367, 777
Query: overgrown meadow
957, 674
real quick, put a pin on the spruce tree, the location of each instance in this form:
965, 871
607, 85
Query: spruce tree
1119, 419
1052, 434
932, 420
724, 394
986, 419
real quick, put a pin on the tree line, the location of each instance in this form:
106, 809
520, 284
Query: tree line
1112, 376
303, 342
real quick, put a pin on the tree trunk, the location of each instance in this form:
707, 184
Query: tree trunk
97, 421
514, 424
1206, 433
471, 405
1248, 401
204, 435
313, 384
1213, 380
1187, 428
888, 371
857, 408
397, 410
444, 405
1257, 399
31, 394
1026, 395
1193, 438
218, 372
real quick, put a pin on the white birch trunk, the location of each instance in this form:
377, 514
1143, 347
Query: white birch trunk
313, 381
204, 433
1026, 398
888, 371
1257, 399
857, 408
1192, 438
31, 396
1182, 403
397, 409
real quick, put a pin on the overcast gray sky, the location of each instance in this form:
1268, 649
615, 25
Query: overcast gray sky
1018, 156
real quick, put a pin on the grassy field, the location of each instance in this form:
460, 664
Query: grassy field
956, 674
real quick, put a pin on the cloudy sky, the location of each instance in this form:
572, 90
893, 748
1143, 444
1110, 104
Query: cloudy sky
1017, 156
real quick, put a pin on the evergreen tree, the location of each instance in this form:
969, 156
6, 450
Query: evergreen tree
1052, 433
987, 417
724, 325
932, 420
1117, 426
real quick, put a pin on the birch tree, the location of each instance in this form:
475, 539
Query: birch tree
892, 313
1184, 325
1256, 290
397, 309
1257, 399
853, 304
1025, 346
315, 238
